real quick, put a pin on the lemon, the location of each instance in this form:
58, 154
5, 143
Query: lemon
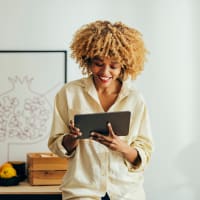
8, 172
5, 165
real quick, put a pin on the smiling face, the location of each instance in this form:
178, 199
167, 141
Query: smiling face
105, 72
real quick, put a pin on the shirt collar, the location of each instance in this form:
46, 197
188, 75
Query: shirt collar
89, 87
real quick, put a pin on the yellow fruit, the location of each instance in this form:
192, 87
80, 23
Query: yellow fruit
8, 172
5, 165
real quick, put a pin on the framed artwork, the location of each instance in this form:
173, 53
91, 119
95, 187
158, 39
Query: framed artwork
29, 81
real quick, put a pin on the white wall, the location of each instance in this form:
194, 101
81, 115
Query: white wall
169, 83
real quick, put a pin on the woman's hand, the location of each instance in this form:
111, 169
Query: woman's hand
73, 131
113, 142
70, 141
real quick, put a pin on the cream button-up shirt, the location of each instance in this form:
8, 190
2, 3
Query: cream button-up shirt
93, 168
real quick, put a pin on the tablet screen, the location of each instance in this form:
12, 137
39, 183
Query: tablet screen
97, 122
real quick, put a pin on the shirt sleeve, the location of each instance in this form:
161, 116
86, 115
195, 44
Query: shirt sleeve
59, 125
142, 141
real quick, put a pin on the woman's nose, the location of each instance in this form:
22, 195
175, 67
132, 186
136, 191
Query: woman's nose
105, 69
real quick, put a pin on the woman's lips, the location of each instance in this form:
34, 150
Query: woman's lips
104, 79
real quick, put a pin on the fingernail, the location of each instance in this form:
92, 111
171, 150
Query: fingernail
92, 133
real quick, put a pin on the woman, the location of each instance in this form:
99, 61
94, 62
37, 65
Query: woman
111, 55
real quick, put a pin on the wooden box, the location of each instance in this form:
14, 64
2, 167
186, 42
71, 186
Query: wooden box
45, 168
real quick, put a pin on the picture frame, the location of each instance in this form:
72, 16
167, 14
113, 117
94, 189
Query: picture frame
29, 81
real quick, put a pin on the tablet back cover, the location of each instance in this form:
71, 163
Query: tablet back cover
97, 122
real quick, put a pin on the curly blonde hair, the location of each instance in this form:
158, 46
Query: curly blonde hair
116, 41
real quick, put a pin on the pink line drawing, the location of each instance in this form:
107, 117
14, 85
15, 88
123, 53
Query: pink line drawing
25, 115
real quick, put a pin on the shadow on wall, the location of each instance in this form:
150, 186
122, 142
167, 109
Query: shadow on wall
188, 164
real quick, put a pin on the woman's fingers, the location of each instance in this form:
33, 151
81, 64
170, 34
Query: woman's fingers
74, 131
111, 132
105, 140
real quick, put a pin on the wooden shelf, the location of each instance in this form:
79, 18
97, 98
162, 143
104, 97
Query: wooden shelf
24, 188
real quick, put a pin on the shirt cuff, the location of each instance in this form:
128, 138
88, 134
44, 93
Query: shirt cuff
140, 165
62, 151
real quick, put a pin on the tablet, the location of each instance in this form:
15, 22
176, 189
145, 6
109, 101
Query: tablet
97, 122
